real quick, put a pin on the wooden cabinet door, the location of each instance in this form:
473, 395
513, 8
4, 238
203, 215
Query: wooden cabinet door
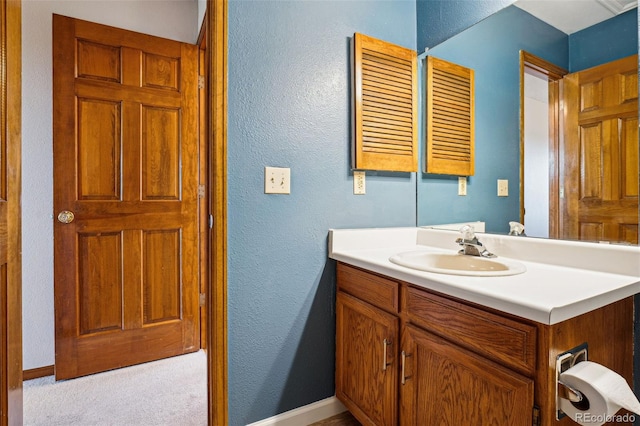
366, 361
126, 165
444, 384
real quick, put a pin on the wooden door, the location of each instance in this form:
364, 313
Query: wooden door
447, 385
600, 153
366, 367
126, 167
10, 231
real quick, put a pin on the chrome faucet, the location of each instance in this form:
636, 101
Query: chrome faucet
516, 228
470, 244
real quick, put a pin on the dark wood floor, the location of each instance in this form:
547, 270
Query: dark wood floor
344, 419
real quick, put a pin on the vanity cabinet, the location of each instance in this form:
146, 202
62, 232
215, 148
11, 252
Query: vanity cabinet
410, 356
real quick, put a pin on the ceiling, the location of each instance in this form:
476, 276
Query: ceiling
570, 16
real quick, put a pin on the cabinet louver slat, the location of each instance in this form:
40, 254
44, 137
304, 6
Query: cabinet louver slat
450, 118
385, 106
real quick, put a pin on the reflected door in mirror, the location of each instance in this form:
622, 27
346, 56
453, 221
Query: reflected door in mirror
600, 153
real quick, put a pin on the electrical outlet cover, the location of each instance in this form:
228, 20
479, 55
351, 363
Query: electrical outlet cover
359, 183
462, 185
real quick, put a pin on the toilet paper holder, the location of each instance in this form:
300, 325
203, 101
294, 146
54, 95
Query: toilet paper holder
565, 361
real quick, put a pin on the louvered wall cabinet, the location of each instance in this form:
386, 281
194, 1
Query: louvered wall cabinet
385, 106
450, 118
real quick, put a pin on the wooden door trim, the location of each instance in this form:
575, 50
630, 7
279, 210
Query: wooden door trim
203, 179
217, 24
11, 288
531, 64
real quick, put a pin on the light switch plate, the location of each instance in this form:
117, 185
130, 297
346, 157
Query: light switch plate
277, 180
503, 188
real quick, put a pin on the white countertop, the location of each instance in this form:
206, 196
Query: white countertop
564, 279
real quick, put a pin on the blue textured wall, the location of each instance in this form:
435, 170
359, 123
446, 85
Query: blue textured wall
491, 48
289, 106
607, 41
439, 20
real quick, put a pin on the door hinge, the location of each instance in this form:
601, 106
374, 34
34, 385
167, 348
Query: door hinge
201, 191
203, 299
535, 416
201, 82
210, 221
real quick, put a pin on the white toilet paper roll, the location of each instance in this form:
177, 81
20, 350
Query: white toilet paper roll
605, 390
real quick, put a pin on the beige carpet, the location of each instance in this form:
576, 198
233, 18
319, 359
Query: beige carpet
168, 392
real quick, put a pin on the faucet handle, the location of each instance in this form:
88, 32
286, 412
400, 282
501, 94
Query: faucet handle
516, 228
468, 232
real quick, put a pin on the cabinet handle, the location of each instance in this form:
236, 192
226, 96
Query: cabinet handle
385, 343
404, 361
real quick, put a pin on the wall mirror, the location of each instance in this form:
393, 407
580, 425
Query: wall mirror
492, 48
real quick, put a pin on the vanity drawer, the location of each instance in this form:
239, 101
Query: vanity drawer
371, 288
504, 340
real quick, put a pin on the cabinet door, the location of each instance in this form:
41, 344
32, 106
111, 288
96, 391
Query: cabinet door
366, 361
443, 384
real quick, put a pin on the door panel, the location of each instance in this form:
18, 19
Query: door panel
601, 153
99, 152
126, 166
160, 153
162, 272
100, 281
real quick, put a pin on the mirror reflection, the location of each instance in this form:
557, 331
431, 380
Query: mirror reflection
543, 180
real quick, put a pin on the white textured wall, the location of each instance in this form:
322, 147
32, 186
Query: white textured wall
177, 19
536, 153
202, 7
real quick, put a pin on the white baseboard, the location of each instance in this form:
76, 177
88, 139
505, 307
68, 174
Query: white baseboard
305, 415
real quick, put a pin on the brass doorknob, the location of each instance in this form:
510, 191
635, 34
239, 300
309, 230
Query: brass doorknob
65, 216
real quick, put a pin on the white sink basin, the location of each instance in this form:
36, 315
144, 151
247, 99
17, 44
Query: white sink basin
458, 264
